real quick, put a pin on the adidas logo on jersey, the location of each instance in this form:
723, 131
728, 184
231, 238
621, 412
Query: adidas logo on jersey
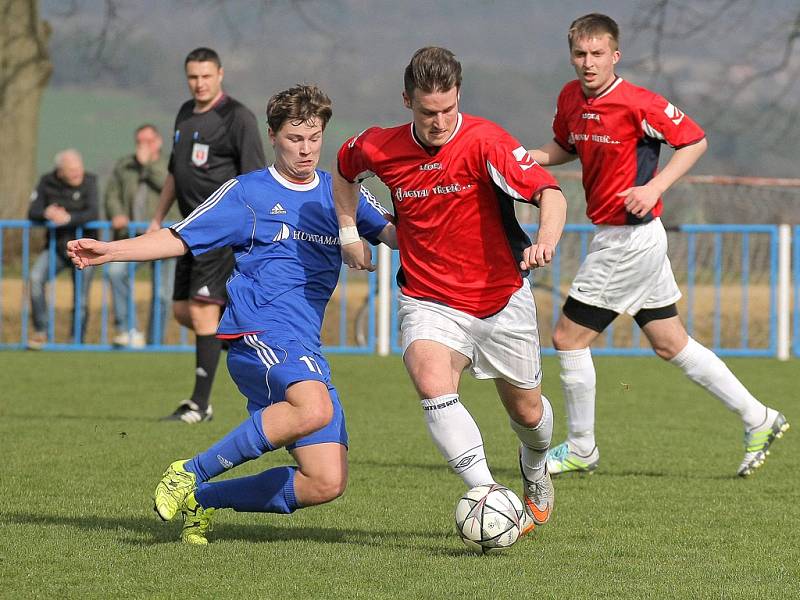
278, 210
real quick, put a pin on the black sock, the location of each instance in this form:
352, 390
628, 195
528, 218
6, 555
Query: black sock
207, 350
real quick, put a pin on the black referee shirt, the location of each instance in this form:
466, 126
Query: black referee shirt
212, 147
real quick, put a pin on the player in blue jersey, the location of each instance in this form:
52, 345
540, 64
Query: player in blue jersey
282, 227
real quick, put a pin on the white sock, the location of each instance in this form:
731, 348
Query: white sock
458, 438
578, 380
706, 369
535, 442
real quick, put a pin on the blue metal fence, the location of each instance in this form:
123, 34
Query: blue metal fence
728, 274
15, 312
796, 290
551, 286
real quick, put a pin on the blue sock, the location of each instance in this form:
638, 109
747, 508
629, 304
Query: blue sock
271, 491
244, 443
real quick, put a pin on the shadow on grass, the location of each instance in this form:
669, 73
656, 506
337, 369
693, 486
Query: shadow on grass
509, 473
144, 532
92, 417
442, 467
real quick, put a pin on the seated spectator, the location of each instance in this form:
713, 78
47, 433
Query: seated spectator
64, 199
131, 196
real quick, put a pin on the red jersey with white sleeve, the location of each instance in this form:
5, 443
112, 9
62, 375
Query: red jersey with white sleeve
618, 135
460, 242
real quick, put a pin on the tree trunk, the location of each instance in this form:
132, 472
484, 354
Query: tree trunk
24, 71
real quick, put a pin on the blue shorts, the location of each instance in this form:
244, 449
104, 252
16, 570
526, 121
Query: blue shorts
263, 367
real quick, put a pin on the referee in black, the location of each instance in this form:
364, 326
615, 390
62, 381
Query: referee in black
216, 138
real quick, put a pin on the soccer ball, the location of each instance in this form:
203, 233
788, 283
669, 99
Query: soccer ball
489, 518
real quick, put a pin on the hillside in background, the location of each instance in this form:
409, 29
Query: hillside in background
514, 54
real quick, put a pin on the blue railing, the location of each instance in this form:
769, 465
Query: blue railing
729, 303
552, 284
15, 313
796, 290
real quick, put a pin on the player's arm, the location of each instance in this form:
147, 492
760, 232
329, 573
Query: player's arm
389, 236
639, 200
551, 154
345, 199
165, 200
552, 216
163, 243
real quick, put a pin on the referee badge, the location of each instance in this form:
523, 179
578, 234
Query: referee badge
199, 154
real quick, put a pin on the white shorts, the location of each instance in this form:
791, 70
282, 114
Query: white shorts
627, 269
503, 346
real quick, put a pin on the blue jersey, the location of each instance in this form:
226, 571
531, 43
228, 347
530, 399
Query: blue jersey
285, 240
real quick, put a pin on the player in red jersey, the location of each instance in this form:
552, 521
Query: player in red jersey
616, 130
464, 303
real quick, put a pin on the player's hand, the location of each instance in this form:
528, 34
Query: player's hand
358, 255
640, 200
144, 155
154, 225
57, 214
87, 252
537, 255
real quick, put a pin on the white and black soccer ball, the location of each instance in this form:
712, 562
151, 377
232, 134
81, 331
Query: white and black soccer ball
489, 518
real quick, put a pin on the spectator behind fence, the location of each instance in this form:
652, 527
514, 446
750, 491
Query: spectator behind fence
65, 198
132, 195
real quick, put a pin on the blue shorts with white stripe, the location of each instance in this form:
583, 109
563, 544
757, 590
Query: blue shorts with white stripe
263, 367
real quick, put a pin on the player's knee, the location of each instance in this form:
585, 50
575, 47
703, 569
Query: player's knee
528, 415
667, 349
560, 339
330, 487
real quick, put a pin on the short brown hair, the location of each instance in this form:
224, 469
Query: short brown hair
594, 25
203, 54
299, 104
432, 69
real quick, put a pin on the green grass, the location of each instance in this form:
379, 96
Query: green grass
664, 516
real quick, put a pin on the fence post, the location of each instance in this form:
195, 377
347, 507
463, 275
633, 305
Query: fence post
784, 285
384, 299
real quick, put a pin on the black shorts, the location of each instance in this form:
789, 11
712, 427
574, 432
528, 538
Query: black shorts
202, 278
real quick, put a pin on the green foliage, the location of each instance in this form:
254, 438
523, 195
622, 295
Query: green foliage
664, 516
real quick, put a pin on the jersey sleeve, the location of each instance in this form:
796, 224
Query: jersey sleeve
353, 159
371, 216
224, 219
514, 171
665, 122
560, 129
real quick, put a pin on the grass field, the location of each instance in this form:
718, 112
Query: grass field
664, 516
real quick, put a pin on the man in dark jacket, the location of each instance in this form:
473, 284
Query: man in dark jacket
64, 200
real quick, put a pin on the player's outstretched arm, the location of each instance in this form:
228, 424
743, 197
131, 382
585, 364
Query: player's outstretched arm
551, 154
163, 243
641, 199
552, 216
345, 199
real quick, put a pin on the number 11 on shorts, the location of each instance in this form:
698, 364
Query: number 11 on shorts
311, 364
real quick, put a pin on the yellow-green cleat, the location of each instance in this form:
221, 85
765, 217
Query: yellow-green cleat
196, 522
758, 442
173, 489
